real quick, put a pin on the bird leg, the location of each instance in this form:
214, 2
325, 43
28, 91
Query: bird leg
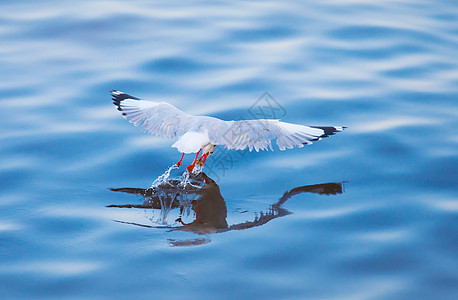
202, 159
191, 166
180, 162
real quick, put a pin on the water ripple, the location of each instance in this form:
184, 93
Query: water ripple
387, 70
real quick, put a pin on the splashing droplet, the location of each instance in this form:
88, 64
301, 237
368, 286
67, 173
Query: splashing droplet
164, 178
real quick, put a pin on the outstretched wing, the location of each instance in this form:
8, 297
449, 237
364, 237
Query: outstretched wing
258, 134
157, 118
166, 120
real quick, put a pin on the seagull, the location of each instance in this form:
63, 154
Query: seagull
202, 133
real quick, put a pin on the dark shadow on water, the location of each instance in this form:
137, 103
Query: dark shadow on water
208, 207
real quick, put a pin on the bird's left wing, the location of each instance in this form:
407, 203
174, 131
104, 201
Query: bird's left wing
258, 134
158, 118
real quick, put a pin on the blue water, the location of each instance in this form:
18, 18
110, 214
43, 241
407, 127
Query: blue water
388, 70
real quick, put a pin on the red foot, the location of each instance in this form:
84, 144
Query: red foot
190, 168
180, 163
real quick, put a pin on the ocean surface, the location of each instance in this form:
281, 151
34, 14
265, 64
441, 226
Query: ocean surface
369, 213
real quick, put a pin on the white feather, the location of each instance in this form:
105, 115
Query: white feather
191, 142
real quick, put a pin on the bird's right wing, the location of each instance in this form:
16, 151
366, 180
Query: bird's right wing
158, 118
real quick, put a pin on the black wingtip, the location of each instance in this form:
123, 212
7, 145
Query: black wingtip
118, 97
329, 130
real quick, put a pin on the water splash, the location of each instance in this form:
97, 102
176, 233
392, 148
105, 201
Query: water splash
172, 191
166, 200
184, 181
197, 170
171, 197
186, 203
164, 178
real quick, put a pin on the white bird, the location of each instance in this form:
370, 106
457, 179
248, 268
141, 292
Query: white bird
202, 133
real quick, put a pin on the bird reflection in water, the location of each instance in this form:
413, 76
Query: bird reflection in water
203, 198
